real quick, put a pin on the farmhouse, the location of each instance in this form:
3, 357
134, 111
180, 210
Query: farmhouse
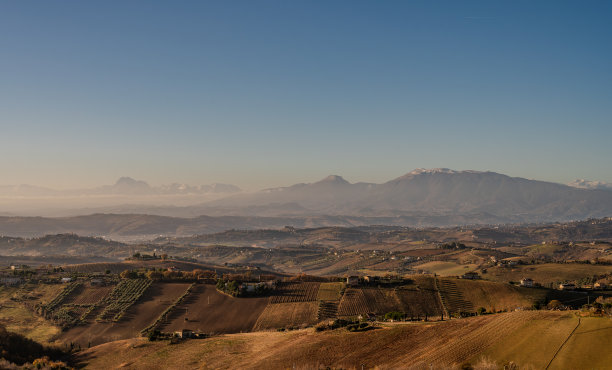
527, 282
185, 333
568, 286
66, 279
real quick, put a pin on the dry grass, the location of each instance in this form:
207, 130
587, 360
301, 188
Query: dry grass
546, 273
16, 317
418, 346
445, 268
492, 296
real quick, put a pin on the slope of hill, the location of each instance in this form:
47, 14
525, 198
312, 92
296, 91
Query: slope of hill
502, 338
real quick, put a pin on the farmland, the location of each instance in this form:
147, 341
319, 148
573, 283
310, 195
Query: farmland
296, 292
138, 316
209, 311
446, 268
125, 294
287, 315
330, 291
17, 315
418, 345
547, 273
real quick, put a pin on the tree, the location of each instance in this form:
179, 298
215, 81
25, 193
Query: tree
554, 304
127, 274
154, 275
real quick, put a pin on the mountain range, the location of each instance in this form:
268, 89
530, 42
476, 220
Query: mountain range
586, 184
421, 197
433, 192
123, 186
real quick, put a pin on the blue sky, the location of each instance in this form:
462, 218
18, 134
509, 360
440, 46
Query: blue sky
268, 93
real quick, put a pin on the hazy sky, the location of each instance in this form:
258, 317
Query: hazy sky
260, 93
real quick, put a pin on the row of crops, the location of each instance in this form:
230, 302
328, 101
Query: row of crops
68, 289
126, 293
167, 311
296, 292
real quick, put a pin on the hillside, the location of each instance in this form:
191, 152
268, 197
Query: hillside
501, 338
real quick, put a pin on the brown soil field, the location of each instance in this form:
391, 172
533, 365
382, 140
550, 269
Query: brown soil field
113, 267
283, 315
406, 345
209, 311
381, 301
424, 252
490, 295
296, 292
419, 302
117, 267
336, 268
153, 302
87, 294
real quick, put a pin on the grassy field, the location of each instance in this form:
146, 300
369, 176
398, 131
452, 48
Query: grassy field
445, 268
592, 338
16, 317
528, 338
537, 342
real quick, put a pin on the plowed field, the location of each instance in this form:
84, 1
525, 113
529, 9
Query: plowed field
208, 311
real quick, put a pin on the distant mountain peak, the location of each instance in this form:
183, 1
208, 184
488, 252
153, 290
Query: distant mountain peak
420, 171
126, 180
334, 179
586, 184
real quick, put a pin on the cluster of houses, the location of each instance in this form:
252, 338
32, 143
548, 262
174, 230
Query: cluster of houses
189, 334
530, 283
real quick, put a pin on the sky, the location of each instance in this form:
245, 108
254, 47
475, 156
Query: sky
272, 93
